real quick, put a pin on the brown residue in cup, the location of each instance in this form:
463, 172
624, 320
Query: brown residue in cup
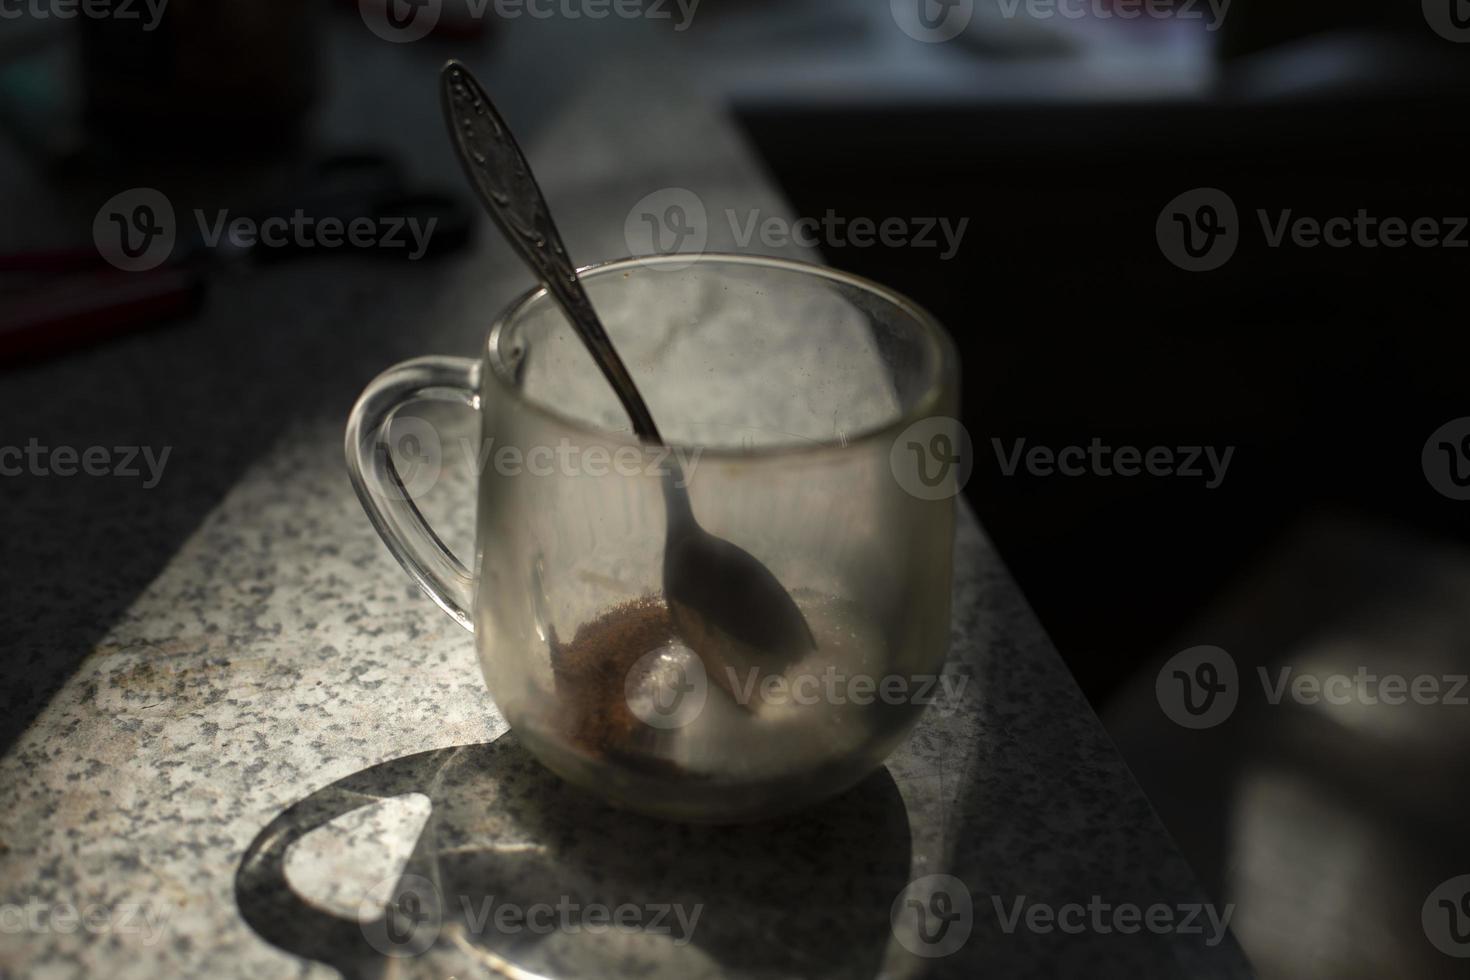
592, 672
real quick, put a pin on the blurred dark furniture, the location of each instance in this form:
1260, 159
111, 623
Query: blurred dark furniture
1327, 368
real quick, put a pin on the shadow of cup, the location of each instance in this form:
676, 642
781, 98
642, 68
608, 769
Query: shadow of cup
520, 874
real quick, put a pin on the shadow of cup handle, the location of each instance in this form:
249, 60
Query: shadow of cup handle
279, 914
763, 895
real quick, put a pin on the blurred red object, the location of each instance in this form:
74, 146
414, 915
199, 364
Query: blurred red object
51, 302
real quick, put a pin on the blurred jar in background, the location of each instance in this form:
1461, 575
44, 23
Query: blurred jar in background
234, 74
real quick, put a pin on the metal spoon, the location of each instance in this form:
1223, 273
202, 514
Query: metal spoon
729, 607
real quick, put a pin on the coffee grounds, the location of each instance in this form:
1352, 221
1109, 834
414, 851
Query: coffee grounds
591, 676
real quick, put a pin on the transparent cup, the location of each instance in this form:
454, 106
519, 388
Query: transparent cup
810, 414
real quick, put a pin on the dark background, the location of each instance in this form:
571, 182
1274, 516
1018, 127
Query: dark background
1326, 369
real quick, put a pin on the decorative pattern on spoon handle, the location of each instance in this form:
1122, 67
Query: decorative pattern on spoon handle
495, 165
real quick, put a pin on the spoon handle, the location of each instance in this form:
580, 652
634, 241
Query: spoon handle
495, 165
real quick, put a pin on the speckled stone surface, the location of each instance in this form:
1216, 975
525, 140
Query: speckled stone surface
280, 673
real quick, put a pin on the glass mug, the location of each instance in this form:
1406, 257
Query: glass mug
799, 404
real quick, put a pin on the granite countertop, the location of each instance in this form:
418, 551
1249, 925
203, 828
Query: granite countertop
249, 667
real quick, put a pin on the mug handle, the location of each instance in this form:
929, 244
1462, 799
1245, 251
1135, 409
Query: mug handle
388, 502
